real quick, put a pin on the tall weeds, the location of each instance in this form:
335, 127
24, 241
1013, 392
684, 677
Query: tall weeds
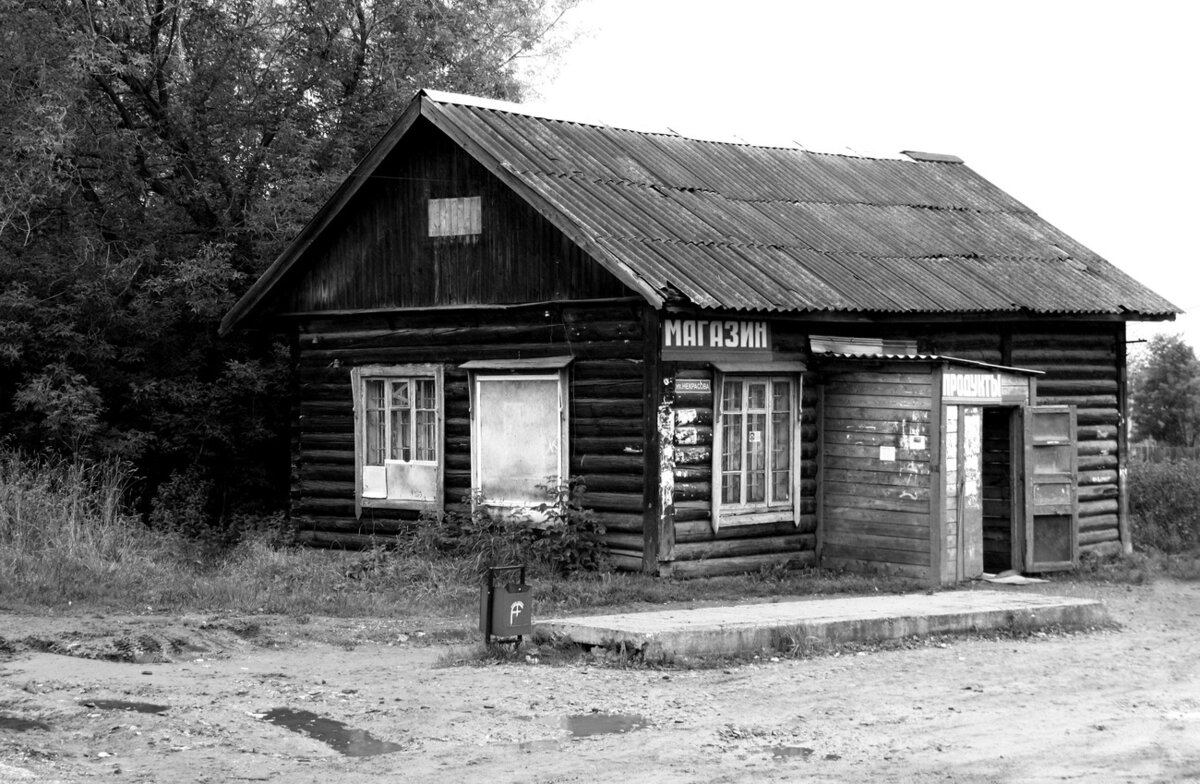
75, 509
65, 534
1165, 506
67, 539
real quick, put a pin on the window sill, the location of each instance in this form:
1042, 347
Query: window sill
756, 516
398, 503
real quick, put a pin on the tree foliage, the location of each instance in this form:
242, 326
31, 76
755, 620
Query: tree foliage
1166, 392
155, 155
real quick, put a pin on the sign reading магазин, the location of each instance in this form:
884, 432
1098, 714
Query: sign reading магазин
696, 337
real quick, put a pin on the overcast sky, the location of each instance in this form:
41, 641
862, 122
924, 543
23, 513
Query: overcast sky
1084, 111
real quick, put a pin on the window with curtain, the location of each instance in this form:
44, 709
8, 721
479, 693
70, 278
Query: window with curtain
399, 436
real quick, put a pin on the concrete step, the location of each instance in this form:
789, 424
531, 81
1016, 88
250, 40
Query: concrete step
748, 628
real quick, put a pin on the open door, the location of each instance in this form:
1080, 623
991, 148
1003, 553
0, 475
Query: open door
1051, 506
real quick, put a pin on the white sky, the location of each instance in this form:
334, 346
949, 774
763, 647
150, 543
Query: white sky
1085, 111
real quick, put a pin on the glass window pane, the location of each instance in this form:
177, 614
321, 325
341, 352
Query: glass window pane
400, 394
401, 434
731, 459
426, 394
426, 435
756, 456
781, 456
375, 425
756, 396
781, 397
731, 396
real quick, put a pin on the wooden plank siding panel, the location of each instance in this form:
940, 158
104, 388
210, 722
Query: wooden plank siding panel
606, 399
876, 513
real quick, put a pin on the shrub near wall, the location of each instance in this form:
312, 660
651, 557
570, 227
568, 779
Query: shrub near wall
1164, 505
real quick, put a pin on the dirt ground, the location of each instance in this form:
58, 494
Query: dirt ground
1111, 705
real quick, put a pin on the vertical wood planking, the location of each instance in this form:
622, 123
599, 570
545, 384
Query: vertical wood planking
515, 256
875, 474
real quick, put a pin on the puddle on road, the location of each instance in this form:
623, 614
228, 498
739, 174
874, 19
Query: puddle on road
125, 705
583, 725
787, 752
21, 725
350, 742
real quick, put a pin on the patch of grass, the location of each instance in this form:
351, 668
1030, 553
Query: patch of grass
67, 539
1164, 506
1140, 567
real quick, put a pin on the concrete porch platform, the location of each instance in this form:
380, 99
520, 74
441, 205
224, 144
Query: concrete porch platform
748, 628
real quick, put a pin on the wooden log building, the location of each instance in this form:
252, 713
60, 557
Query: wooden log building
751, 355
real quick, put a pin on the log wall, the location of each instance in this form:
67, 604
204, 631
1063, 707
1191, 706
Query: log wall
685, 425
605, 398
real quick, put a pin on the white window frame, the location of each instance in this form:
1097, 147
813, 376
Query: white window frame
486, 372
358, 378
743, 513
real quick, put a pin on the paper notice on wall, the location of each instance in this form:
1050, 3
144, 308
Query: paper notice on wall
887, 454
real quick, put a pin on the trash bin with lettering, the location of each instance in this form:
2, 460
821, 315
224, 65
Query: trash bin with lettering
505, 608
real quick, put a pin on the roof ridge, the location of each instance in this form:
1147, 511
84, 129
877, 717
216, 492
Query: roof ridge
542, 111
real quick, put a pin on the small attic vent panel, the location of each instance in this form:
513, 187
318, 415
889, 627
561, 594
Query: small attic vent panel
462, 217
931, 157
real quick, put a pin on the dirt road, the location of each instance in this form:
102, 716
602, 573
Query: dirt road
1109, 706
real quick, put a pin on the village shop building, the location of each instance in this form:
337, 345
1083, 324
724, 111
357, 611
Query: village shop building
751, 355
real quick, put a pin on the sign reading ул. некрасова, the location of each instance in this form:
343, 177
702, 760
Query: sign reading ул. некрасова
705, 338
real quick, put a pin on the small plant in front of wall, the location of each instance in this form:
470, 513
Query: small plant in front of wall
567, 537
559, 536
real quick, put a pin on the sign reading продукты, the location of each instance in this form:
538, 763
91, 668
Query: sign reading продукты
707, 337
971, 388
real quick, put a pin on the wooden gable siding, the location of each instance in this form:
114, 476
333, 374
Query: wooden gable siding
606, 407
698, 550
876, 513
1084, 367
380, 255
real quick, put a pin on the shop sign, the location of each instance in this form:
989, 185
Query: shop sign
703, 338
971, 388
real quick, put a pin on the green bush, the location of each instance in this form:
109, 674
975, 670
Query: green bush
559, 536
1164, 505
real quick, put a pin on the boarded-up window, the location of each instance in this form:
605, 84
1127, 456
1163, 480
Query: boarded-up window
518, 440
398, 438
461, 217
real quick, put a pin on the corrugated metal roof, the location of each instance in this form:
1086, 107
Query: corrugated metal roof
739, 227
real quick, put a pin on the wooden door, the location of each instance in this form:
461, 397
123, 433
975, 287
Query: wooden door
1051, 505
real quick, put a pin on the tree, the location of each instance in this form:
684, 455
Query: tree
155, 155
1165, 394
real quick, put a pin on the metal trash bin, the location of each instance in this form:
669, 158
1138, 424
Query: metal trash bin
505, 608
